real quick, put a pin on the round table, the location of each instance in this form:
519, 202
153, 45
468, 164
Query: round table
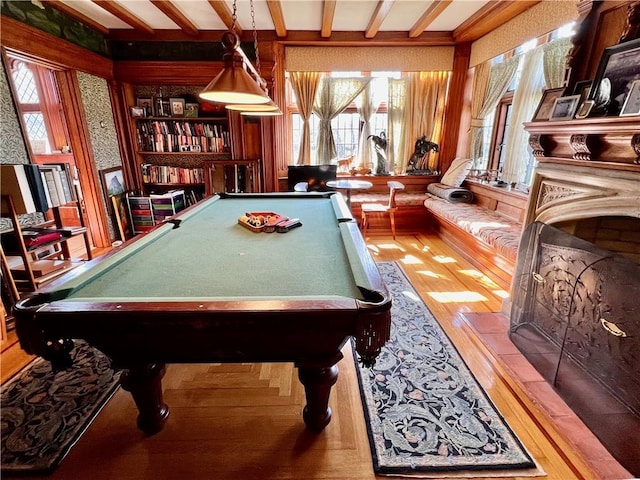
348, 185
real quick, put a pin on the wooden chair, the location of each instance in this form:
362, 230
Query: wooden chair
371, 209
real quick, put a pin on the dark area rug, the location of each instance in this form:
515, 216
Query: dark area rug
44, 413
425, 411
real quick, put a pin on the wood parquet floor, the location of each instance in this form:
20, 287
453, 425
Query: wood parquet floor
243, 421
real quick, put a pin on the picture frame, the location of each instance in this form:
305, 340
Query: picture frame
112, 183
137, 112
176, 106
585, 109
547, 102
191, 110
564, 108
147, 104
631, 106
122, 222
619, 67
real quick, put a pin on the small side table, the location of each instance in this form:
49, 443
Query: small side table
349, 185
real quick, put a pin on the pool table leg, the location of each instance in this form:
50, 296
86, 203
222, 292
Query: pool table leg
317, 381
145, 385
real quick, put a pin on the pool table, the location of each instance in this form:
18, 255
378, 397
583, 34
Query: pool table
202, 288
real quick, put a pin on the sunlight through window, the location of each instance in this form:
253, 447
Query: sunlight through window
390, 246
443, 259
429, 273
482, 278
457, 297
411, 295
501, 293
411, 260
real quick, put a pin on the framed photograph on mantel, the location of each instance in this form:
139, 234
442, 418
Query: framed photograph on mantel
545, 107
565, 107
631, 105
618, 69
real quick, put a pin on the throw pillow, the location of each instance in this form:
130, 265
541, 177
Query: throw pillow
457, 172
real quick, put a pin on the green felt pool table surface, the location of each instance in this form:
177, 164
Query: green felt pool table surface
211, 255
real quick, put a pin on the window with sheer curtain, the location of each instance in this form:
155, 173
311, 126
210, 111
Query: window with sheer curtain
349, 128
386, 107
500, 144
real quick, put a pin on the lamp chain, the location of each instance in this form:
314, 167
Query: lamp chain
234, 17
255, 37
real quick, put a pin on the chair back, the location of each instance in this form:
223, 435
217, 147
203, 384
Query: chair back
316, 176
394, 187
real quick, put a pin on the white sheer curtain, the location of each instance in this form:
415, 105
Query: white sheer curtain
333, 96
525, 101
396, 105
500, 78
368, 103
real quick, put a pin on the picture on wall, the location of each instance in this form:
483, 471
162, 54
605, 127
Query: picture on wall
112, 183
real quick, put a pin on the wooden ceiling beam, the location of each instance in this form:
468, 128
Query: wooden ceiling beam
277, 16
76, 15
490, 17
176, 16
226, 15
427, 18
382, 10
125, 15
328, 11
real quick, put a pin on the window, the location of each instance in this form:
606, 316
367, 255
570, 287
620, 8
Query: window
346, 126
38, 104
494, 146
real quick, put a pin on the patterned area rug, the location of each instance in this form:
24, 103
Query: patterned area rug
425, 410
45, 413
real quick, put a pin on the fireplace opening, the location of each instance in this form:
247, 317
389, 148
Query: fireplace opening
576, 317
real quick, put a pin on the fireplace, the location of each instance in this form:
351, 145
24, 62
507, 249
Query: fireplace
576, 317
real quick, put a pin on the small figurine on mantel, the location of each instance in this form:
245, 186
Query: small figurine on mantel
419, 161
380, 142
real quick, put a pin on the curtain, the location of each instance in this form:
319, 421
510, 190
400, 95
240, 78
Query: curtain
500, 78
525, 101
305, 85
395, 122
426, 100
555, 61
333, 96
367, 106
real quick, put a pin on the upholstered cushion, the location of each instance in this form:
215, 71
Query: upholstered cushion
457, 172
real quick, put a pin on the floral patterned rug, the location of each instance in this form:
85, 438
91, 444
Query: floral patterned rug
44, 413
425, 411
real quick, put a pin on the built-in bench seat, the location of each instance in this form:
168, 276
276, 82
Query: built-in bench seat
485, 235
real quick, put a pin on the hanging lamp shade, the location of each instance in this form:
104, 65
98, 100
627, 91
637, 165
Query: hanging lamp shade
270, 106
233, 84
265, 113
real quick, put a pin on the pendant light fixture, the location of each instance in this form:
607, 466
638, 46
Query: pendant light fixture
234, 84
268, 108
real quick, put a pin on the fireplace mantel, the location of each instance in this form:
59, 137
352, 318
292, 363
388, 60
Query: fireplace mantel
586, 168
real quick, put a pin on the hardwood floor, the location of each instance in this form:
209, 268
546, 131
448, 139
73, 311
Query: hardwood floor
243, 421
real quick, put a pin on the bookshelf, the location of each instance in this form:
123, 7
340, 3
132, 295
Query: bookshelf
37, 254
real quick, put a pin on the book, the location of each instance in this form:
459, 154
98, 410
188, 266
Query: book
38, 189
14, 182
51, 188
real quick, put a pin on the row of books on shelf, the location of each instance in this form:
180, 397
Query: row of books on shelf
37, 188
167, 174
189, 129
171, 143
